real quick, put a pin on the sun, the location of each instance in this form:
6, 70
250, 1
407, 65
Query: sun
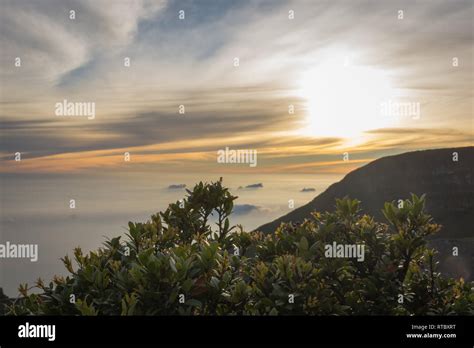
343, 100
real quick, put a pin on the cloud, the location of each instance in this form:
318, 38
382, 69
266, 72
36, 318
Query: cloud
244, 209
63, 135
308, 189
404, 139
252, 186
172, 65
176, 186
53, 47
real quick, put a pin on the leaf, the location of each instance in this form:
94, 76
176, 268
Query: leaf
194, 303
173, 265
304, 244
215, 282
226, 225
187, 284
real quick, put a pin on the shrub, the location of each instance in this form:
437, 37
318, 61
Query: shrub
180, 263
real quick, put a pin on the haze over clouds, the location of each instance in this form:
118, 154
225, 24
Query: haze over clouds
190, 62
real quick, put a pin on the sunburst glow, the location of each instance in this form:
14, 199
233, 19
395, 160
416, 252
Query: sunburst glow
344, 100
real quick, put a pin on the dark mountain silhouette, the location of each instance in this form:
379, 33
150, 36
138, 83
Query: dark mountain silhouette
448, 186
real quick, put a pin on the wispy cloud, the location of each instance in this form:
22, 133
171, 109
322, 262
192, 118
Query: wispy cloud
190, 62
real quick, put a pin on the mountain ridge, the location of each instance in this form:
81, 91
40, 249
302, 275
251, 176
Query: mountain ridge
448, 186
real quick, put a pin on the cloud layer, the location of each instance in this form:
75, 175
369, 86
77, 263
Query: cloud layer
190, 62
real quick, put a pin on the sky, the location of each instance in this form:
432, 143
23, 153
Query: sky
334, 63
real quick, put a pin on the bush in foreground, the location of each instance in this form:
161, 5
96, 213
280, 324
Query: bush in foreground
181, 263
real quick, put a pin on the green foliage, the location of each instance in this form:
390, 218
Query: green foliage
178, 264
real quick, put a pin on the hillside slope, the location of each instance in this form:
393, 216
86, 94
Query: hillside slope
448, 186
